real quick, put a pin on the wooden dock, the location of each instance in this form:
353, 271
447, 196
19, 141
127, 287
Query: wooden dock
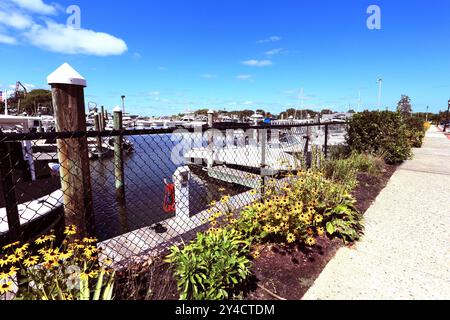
235, 176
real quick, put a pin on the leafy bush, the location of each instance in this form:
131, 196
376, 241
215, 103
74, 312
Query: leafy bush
211, 265
50, 272
383, 133
415, 131
300, 210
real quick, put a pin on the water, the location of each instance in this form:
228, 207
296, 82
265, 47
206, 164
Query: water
145, 171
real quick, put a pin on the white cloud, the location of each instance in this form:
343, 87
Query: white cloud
274, 52
244, 77
36, 6
15, 20
62, 39
155, 93
248, 103
7, 39
257, 63
209, 76
270, 39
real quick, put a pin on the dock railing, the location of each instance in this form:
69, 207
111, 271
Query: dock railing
141, 191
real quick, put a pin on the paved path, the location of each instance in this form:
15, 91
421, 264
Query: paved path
405, 253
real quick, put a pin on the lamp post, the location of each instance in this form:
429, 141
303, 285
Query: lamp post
123, 105
380, 85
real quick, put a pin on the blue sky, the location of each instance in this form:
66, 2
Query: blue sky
170, 55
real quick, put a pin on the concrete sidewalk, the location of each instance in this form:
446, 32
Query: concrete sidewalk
405, 253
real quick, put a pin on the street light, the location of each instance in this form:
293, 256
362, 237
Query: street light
123, 104
380, 85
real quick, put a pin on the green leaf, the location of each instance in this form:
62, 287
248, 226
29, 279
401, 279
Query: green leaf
330, 228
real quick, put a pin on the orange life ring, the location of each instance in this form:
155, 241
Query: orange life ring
169, 198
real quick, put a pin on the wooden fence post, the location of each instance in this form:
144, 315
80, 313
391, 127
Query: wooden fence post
68, 101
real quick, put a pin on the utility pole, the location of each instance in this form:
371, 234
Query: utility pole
123, 105
427, 114
380, 86
359, 101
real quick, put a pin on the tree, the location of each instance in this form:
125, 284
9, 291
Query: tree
31, 102
404, 106
326, 111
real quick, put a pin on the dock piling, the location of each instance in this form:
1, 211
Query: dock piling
118, 156
68, 101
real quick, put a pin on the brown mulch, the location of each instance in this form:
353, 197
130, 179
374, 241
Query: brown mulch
288, 272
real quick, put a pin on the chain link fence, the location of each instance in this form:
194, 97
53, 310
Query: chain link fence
140, 191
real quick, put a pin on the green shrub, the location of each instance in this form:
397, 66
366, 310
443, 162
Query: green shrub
211, 265
415, 130
383, 133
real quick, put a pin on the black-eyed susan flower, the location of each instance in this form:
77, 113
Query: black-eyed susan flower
309, 231
310, 241
318, 219
278, 215
290, 238
3, 262
4, 276
320, 231
213, 203
90, 240
70, 230
31, 261
13, 271
9, 246
225, 199
14, 258
6, 287
253, 192
256, 254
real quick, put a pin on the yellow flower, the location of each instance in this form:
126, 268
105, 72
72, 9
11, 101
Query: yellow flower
108, 261
310, 241
6, 288
3, 262
213, 203
4, 276
290, 238
310, 231
70, 230
44, 239
14, 244
22, 249
256, 254
51, 255
253, 192
66, 255
90, 240
213, 223
318, 218
267, 228
31, 261
225, 199
278, 215
15, 258
12, 271
320, 231
93, 274
276, 229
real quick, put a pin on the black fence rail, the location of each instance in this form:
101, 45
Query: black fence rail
139, 191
